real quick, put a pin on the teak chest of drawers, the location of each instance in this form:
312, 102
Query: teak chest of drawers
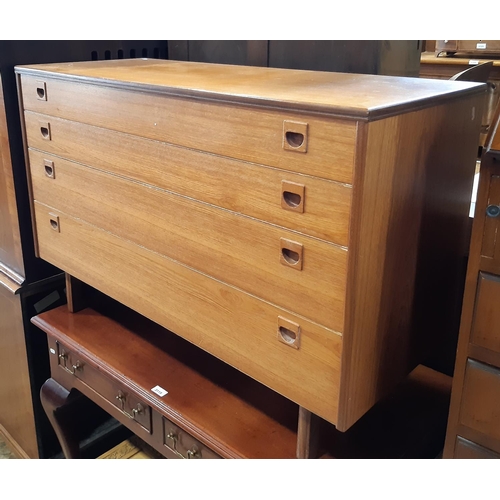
297, 225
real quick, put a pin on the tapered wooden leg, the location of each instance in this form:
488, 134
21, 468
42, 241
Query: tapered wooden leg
54, 399
75, 294
307, 434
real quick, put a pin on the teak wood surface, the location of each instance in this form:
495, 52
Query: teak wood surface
396, 141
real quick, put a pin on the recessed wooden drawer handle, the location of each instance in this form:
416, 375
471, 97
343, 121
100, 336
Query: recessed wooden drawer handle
54, 222
41, 90
291, 253
295, 136
45, 130
49, 169
288, 332
292, 196
493, 211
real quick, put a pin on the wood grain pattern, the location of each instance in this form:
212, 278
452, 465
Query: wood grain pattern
205, 397
237, 250
244, 132
11, 255
233, 326
243, 187
16, 410
401, 224
359, 96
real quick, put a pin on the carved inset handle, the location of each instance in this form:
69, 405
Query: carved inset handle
54, 222
41, 90
289, 332
291, 253
45, 131
295, 136
292, 196
49, 169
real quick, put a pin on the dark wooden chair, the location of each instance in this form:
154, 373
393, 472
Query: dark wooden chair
478, 73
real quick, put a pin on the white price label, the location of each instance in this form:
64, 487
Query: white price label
159, 390
480, 46
473, 62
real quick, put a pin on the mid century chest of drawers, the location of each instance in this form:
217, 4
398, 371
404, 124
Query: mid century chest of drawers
306, 228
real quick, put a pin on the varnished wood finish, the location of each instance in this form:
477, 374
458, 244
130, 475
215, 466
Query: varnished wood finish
359, 96
217, 405
244, 132
204, 177
401, 229
16, 410
405, 242
238, 328
237, 250
75, 294
473, 414
54, 397
11, 256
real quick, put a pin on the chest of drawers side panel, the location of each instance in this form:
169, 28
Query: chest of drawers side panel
407, 245
244, 132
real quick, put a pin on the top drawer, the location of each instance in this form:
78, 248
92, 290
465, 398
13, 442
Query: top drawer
293, 141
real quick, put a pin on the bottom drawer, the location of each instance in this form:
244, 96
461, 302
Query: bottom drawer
480, 408
467, 449
131, 406
183, 445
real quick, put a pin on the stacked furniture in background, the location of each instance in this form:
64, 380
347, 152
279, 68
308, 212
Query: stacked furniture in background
474, 422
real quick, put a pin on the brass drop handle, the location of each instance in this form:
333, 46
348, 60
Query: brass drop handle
76, 367
138, 410
193, 453
121, 397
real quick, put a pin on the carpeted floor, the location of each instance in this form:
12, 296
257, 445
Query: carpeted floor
4, 451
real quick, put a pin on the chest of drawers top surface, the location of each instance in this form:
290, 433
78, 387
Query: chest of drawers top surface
343, 94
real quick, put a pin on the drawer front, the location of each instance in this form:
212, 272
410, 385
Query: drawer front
182, 444
302, 203
466, 449
115, 393
490, 250
308, 144
296, 272
486, 324
295, 357
480, 407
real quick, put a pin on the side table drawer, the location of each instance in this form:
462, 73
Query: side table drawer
480, 408
115, 393
182, 444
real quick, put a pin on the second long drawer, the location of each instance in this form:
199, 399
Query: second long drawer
296, 272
